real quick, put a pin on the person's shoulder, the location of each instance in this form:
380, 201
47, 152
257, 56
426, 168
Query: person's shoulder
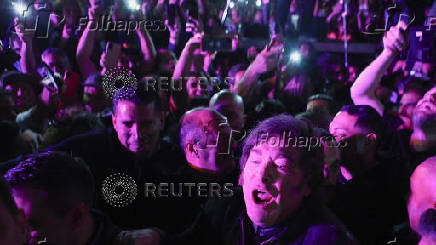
327, 226
328, 234
96, 139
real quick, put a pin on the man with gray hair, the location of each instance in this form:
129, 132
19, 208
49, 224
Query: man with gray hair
205, 137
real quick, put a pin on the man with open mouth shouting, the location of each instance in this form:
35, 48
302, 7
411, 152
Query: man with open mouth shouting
277, 203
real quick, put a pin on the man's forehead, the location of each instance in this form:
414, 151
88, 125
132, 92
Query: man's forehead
269, 147
425, 172
204, 117
129, 106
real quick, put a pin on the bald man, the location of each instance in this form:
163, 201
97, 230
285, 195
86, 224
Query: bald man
205, 139
422, 202
231, 106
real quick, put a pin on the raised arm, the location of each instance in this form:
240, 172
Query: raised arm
182, 70
85, 46
27, 59
147, 48
265, 61
363, 91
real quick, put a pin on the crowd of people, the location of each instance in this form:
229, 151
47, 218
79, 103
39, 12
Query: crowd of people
160, 135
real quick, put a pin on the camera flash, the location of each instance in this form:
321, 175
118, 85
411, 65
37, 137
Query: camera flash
295, 57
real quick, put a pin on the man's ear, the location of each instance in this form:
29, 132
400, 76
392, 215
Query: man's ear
23, 225
77, 215
114, 120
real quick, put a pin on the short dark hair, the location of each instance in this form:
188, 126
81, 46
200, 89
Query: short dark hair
311, 161
368, 118
138, 95
67, 180
6, 197
415, 87
12, 77
324, 97
57, 52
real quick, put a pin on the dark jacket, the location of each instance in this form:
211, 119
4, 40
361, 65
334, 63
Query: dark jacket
373, 202
106, 233
105, 156
224, 221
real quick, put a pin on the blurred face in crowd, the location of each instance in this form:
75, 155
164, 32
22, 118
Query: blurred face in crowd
357, 147
138, 127
216, 155
258, 17
427, 68
236, 17
273, 183
22, 94
305, 50
7, 111
408, 102
125, 61
13, 230
167, 62
423, 193
336, 73
56, 63
71, 13
352, 74
94, 99
197, 87
424, 116
46, 223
